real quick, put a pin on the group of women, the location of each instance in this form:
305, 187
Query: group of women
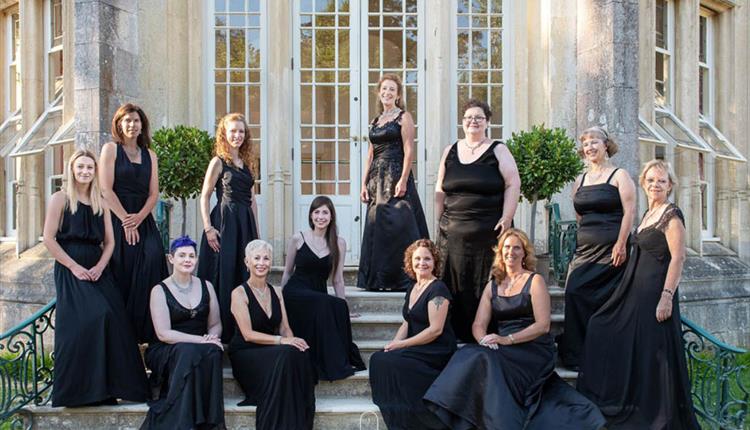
114, 291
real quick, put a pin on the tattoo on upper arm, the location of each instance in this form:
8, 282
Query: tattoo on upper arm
439, 300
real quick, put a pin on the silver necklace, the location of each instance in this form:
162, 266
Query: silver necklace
262, 292
391, 111
183, 289
131, 154
649, 214
512, 281
315, 248
474, 147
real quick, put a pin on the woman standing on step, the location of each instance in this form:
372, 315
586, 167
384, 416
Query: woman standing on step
633, 365
96, 355
394, 213
508, 380
268, 361
604, 200
185, 362
401, 374
130, 186
233, 222
312, 257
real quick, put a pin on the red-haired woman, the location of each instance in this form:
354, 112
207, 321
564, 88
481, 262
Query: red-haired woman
233, 221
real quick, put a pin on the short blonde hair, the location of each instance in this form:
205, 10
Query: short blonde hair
602, 134
664, 166
258, 245
529, 259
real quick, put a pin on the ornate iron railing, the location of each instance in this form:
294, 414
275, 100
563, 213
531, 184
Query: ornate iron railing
162, 221
562, 242
26, 368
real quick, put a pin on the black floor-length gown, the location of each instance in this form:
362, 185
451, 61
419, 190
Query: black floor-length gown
634, 366
319, 318
96, 355
513, 387
392, 223
279, 379
188, 376
474, 195
400, 378
591, 276
233, 218
136, 268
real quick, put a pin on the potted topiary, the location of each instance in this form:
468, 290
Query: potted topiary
184, 153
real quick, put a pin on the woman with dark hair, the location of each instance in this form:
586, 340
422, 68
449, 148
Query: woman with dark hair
96, 355
313, 257
401, 373
185, 362
508, 380
394, 213
476, 195
604, 200
233, 222
130, 186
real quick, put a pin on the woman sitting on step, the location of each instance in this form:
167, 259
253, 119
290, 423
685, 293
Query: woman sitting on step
270, 364
424, 343
312, 257
185, 362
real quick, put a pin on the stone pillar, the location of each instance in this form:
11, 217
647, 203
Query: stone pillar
106, 65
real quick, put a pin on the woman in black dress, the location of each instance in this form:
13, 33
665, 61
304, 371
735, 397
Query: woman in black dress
476, 195
604, 200
130, 186
633, 362
401, 374
394, 213
314, 315
508, 380
185, 362
268, 361
233, 222
96, 355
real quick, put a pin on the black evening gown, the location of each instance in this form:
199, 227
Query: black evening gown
634, 366
392, 223
591, 276
279, 379
188, 376
513, 387
139, 267
319, 318
400, 378
474, 195
233, 218
96, 355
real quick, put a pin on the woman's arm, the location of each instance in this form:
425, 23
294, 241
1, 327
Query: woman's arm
163, 325
437, 311
286, 332
244, 323
626, 189
338, 278
106, 172
254, 209
363, 194
295, 242
107, 248
675, 234
439, 194
509, 171
52, 221
214, 315
576, 186
407, 137
540, 303
484, 313
209, 182
135, 220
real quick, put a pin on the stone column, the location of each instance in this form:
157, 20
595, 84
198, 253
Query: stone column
106, 65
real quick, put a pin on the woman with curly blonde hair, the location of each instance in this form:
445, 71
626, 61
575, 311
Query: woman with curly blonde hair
233, 222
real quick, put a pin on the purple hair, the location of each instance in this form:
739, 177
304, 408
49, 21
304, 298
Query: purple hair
182, 241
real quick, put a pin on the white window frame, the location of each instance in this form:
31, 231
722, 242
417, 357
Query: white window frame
11, 183
708, 65
10, 62
49, 50
669, 53
49, 154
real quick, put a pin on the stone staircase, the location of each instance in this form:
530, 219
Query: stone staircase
344, 404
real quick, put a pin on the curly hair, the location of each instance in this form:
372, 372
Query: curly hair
221, 146
399, 87
529, 257
144, 139
472, 103
600, 133
437, 257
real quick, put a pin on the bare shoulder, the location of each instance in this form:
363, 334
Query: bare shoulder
342, 243
501, 151
407, 118
537, 283
622, 177
152, 153
108, 149
279, 292
239, 294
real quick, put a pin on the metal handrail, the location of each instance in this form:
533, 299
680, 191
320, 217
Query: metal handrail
561, 241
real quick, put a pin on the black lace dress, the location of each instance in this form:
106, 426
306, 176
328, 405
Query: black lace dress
513, 387
136, 268
634, 366
474, 196
96, 355
591, 276
392, 223
279, 379
319, 318
233, 218
186, 375
400, 378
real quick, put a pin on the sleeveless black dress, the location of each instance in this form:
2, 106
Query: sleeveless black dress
319, 318
400, 378
634, 366
279, 379
139, 267
233, 218
96, 355
591, 276
474, 196
513, 387
188, 376
392, 223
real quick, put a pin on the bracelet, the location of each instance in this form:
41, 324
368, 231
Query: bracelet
211, 228
512, 341
668, 291
278, 340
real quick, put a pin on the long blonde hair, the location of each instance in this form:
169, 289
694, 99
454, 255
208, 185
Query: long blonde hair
529, 259
71, 194
221, 146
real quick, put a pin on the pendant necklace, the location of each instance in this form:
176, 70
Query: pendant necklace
186, 290
474, 147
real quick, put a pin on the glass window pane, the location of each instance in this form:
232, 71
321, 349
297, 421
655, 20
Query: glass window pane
343, 104
661, 24
411, 49
254, 104
374, 46
237, 98
237, 48
306, 37
325, 105
221, 101
56, 23
702, 44
55, 75
479, 6
306, 104
393, 49
253, 49
325, 6
392, 5
479, 49
343, 36
325, 48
